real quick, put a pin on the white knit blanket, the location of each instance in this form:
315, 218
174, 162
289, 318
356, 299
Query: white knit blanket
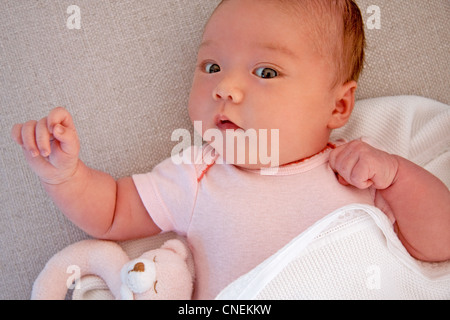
353, 253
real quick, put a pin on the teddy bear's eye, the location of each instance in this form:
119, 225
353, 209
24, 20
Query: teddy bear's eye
156, 281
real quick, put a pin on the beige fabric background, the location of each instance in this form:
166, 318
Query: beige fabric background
125, 76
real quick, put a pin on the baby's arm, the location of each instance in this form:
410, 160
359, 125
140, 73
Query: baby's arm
419, 201
91, 199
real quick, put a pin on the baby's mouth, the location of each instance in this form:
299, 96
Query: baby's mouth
223, 123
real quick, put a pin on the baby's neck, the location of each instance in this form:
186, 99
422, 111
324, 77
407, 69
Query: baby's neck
328, 147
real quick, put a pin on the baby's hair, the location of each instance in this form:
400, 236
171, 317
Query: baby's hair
336, 29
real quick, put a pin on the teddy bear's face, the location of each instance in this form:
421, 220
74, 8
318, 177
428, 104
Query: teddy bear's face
139, 275
158, 274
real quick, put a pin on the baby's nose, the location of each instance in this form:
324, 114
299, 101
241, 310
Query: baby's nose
227, 90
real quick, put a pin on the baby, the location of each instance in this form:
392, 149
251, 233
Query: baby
289, 66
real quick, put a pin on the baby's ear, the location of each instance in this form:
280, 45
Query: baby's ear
176, 246
345, 101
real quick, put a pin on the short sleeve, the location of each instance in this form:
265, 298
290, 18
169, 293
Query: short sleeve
168, 193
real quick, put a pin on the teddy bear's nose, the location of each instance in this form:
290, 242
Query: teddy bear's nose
138, 267
138, 276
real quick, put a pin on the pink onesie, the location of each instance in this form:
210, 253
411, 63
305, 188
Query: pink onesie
235, 218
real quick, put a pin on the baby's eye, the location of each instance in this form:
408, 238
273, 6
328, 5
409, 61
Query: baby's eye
212, 68
266, 73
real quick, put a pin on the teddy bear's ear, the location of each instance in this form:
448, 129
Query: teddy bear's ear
176, 246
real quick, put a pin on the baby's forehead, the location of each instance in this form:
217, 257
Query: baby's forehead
256, 15
273, 24
309, 10
304, 20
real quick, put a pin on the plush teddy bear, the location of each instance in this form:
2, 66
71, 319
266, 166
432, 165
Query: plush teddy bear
158, 274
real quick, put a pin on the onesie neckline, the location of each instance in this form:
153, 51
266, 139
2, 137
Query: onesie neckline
210, 157
299, 166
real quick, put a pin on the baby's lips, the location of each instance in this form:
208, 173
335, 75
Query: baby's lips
224, 123
227, 125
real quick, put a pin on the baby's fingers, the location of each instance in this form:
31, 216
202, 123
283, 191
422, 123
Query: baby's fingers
68, 140
351, 166
43, 137
60, 116
361, 175
28, 137
16, 133
61, 125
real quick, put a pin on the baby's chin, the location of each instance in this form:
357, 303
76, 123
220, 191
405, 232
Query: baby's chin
247, 149
248, 166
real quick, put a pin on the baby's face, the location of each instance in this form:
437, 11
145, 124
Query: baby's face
256, 70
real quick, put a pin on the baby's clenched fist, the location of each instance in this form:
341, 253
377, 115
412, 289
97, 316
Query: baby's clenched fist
51, 145
361, 165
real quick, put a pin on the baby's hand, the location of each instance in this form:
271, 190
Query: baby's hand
361, 165
50, 145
